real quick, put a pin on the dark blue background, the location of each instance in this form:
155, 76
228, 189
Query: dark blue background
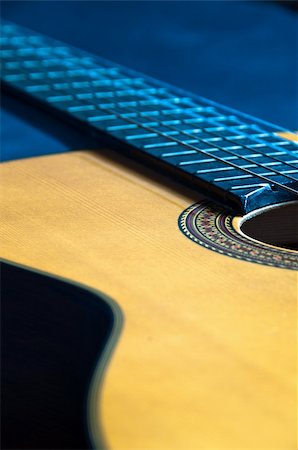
241, 54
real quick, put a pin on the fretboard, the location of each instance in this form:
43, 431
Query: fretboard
233, 158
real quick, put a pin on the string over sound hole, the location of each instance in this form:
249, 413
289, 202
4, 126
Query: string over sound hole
214, 228
276, 225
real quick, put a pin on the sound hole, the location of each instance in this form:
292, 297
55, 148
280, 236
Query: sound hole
276, 226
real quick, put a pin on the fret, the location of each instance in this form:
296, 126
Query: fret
196, 162
160, 128
216, 169
234, 177
140, 135
38, 88
279, 154
204, 161
59, 98
158, 145
11, 65
247, 186
125, 126
244, 166
273, 175
101, 118
179, 153
191, 162
15, 77
193, 135
37, 75
84, 96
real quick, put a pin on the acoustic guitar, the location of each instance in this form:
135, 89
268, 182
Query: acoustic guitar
149, 286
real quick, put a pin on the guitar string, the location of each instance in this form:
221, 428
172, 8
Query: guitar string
188, 134
140, 125
229, 139
205, 152
192, 135
215, 125
211, 155
196, 136
95, 67
274, 158
192, 147
113, 111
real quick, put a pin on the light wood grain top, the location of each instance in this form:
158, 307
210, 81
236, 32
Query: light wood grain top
207, 355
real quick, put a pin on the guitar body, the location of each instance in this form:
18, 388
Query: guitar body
205, 352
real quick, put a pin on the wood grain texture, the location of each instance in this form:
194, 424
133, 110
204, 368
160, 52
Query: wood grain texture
207, 356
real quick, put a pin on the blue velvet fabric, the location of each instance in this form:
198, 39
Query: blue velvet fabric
241, 54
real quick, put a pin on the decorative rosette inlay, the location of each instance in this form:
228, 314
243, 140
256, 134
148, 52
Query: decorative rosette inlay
211, 226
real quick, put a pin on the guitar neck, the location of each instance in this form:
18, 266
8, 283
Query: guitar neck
231, 157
